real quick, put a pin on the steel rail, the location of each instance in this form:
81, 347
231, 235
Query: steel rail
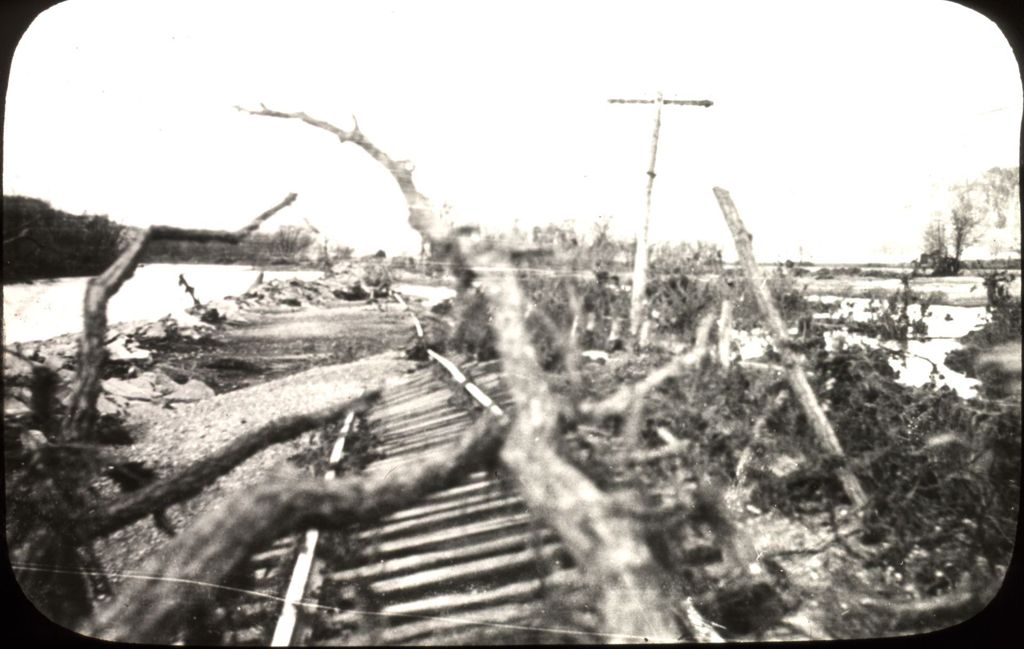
285, 628
451, 368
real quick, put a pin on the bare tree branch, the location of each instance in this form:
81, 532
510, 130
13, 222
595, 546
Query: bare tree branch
161, 232
190, 482
422, 217
792, 360
92, 353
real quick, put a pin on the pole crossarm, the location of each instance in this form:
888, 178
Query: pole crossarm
637, 303
706, 103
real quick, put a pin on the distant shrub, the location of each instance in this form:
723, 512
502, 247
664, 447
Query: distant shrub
342, 253
403, 263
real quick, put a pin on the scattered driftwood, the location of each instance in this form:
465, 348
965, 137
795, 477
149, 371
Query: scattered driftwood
181, 576
191, 481
599, 532
92, 353
791, 360
78, 435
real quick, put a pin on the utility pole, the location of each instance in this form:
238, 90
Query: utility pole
637, 313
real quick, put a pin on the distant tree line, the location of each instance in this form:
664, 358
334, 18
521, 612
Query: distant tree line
288, 245
41, 241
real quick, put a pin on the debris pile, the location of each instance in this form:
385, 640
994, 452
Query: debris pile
129, 375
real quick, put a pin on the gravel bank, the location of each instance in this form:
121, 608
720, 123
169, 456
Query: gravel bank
170, 440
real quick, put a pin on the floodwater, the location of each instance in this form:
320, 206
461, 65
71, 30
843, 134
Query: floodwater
47, 308
964, 290
924, 359
430, 295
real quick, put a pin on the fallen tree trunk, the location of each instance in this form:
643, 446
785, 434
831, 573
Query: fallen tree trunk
190, 482
180, 578
791, 360
600, 533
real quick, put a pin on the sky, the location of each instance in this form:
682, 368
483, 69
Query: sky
838, 127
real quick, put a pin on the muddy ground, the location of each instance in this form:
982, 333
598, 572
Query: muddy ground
282, 341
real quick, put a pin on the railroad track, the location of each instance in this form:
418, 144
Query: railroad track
468, 563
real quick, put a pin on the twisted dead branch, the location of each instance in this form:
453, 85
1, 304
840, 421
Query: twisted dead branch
791, 359
167, 232
422, 217
191, 481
